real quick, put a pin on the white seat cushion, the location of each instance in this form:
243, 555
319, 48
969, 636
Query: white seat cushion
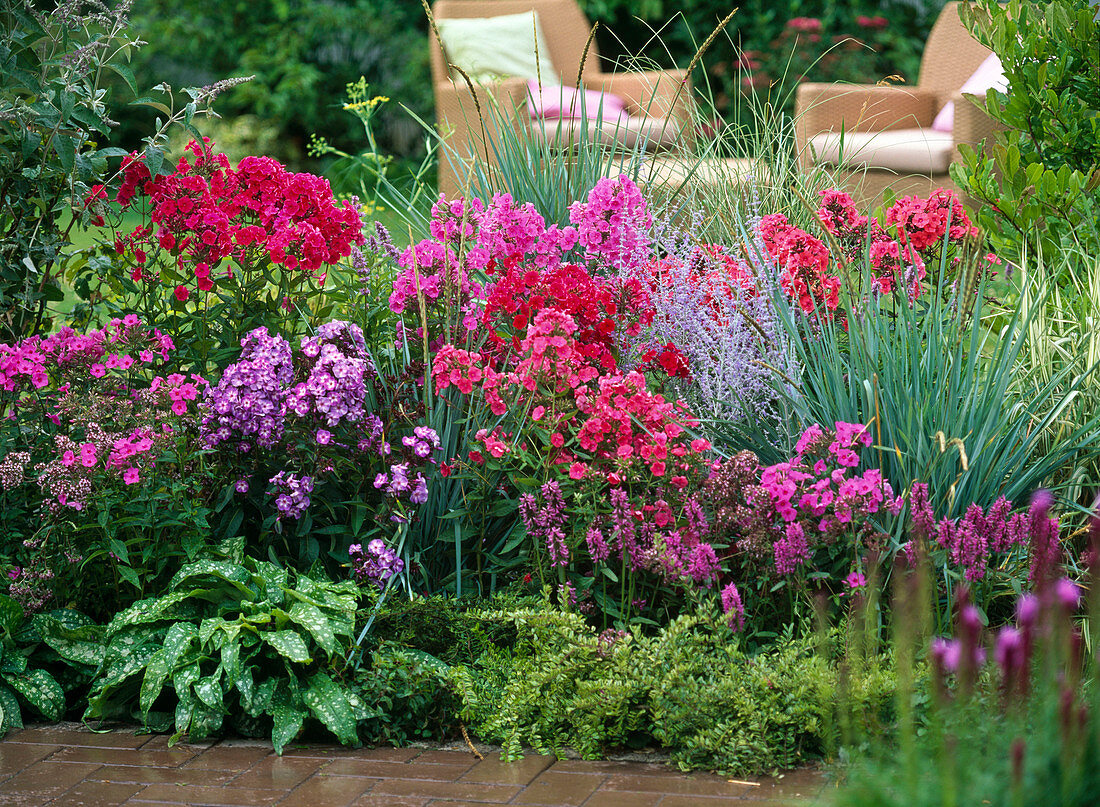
907, 151
650, 134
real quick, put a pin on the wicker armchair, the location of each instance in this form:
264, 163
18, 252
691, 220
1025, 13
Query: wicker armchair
887, 141
657, 94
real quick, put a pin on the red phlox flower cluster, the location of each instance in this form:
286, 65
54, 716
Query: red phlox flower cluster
616, 421
602, 308
206, 212
924, 222
803, 263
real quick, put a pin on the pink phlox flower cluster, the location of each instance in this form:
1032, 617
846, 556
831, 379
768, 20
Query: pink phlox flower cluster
614, 224
34, 359
803, 262
923, 223
784, 511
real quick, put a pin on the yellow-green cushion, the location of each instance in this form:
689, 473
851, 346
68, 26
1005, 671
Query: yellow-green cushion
488, 48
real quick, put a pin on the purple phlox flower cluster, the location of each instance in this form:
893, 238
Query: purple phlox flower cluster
376, 564
733, 608
396, 482
614, 224
973, 540
722, 320
291, 493
249, 402
544, 521
337, 369
422, 442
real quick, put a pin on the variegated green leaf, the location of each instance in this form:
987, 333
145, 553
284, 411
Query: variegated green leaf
177, 641
12, 661
143, 612
311, 618
231, 573
326, 699
204, 721
10, 715
287, 714
156, 672
184, 677
273, 580
231, 660
209, 691
76, 642
289, 644
40, 690
121, 667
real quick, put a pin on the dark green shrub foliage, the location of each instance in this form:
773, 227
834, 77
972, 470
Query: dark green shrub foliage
1040, 181
303, 53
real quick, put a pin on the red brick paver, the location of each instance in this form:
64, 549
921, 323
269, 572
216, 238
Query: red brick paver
58, 766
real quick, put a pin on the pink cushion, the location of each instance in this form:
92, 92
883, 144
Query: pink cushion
556, 102
989, 76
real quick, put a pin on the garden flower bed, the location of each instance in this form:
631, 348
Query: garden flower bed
782, 484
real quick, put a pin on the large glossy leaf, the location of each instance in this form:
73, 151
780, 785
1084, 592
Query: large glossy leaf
231, 573
74, 640
11, 613
289, 644
310, 617
11, 717
144, 612
156, 672
326, 699
40, 690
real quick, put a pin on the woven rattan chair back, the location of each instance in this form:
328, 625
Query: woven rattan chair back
563, 25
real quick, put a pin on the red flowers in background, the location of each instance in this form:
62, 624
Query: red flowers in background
205, 212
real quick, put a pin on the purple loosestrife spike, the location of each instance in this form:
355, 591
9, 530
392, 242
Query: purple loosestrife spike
1067, 594
733, 608
1027, 610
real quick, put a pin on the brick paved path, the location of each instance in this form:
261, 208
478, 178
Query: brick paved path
62, 766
